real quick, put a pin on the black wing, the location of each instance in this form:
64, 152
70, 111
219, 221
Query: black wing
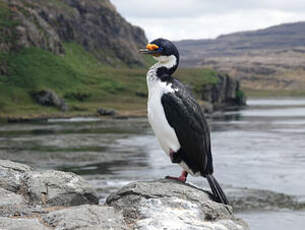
187, 119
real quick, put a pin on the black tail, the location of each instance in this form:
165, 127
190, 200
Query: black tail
217, 191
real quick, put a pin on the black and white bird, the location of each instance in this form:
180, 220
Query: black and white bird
176, 118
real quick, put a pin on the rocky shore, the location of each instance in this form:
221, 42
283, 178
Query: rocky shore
38, 200
223, 95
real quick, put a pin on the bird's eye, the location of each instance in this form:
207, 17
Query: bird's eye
160, 48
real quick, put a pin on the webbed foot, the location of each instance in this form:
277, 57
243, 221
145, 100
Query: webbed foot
181, 178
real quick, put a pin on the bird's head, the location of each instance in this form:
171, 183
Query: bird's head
163, 51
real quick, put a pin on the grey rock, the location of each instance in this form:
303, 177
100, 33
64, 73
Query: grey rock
12, 204
9, 198
167, 204
14, 166
49, 98
106, 112
56, 188
10, 175
46, 197
21, 224
18, 183
225, 93
83, 217
244, 199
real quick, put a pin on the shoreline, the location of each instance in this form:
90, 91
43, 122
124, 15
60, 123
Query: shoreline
41, 117
120, 115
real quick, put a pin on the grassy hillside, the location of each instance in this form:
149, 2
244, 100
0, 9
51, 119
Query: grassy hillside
80, 79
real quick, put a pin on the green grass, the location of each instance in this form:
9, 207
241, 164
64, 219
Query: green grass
81, 79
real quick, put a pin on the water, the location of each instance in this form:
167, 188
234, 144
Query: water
258, 153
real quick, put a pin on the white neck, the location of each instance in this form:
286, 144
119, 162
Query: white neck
165, 61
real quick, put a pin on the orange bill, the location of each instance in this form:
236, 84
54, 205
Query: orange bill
152, 47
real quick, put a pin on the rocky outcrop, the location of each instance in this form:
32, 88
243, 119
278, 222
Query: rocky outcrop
25, 192
58, 200
96, 25
244, 199
93, 217
21, 224
168, 204
225, 94
106, 112
49, 98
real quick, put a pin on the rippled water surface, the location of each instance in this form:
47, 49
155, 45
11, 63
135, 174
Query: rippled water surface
259, 148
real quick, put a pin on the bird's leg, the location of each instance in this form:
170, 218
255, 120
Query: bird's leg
175, 158
181, 178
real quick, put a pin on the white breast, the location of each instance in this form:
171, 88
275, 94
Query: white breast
156, 116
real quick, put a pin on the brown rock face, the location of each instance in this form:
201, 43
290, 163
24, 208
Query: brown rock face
94, 24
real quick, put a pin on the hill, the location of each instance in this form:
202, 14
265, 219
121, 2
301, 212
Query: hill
72, 47
83, 52
95, 25
270, 60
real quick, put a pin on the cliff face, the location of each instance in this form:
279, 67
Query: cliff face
94, 24
223, 94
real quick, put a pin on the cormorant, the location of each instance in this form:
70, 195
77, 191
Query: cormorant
176, 118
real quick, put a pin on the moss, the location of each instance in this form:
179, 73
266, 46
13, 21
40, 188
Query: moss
240, 94
240, 97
